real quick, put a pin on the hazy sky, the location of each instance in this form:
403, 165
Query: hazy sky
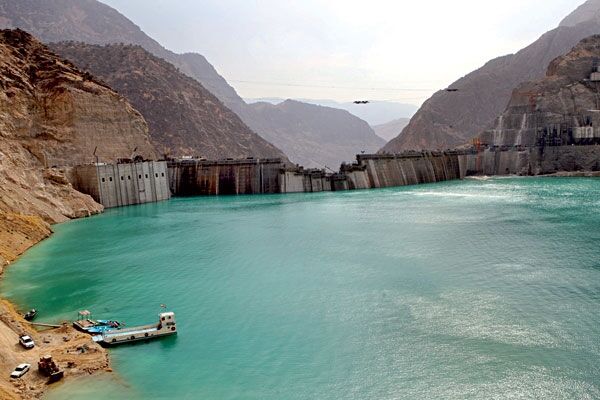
345, 49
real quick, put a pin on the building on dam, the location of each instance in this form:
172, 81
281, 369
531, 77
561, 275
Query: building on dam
124, 183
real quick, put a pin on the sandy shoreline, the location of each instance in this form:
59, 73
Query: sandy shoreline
74, 351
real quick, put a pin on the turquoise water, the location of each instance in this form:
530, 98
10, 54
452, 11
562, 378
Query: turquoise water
462, 290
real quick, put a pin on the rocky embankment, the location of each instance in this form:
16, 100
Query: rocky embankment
73, 351
52, 116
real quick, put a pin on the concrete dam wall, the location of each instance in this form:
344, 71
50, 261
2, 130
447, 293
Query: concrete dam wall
199, 177
191, 177
225, 177
250, 176
141, 182
407, 169
123, 184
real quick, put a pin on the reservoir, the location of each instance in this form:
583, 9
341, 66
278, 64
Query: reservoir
475, 289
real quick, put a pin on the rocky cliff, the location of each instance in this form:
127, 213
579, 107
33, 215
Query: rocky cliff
449, 119
552, 111
52, 115
184, 118
311, 135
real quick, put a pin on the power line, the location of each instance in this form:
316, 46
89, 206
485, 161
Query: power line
332, 86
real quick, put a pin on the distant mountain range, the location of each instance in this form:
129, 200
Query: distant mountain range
321, 136
391, 129
184, 118
92, 22
375, 112
450, 119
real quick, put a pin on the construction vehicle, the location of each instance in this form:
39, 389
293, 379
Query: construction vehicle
47, 367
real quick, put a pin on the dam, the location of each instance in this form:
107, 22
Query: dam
257, 176
128, 183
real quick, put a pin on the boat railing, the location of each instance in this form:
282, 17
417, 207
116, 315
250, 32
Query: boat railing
134, 329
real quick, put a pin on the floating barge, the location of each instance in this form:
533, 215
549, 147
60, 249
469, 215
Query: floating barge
166, 326
85, 323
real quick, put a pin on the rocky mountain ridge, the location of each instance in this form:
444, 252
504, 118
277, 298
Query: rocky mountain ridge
184, 118
588, 11
93, 22
552, 111
450, 119
374, 113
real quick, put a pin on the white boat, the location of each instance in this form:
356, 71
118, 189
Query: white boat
166, 326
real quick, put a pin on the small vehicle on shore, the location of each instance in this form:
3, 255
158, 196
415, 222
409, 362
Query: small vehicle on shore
26, 341
47, 367
21, 370
30, 315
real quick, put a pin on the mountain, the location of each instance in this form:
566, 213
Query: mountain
561, 104
92, 22
321, 136
449, 119
51, 113
184, 118
588, 11
375, 112
391, 129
